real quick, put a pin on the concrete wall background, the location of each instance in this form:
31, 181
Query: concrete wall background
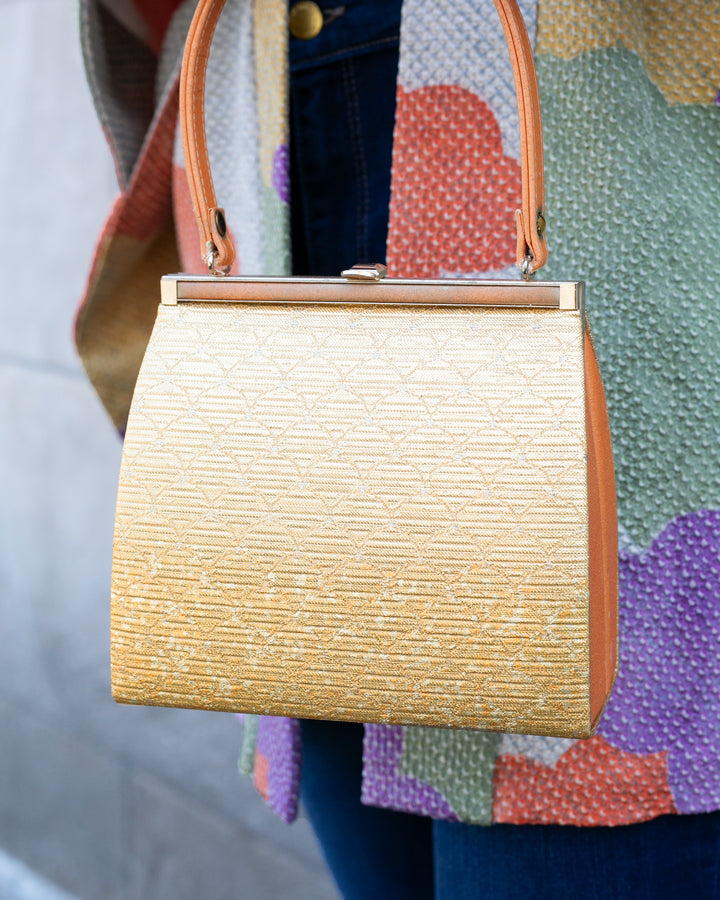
106, 801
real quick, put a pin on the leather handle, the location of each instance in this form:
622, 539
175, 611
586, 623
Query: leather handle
216, 245
532, 250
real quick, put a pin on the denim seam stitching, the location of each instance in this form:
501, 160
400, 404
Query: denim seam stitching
361, 223
308, 63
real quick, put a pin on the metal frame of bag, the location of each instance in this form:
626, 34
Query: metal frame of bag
365, 498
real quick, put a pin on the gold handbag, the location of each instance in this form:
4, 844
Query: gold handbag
368, 499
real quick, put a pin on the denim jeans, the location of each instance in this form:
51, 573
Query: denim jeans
384, 855
342, 111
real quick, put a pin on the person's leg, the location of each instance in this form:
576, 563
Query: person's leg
668, 858
373, 854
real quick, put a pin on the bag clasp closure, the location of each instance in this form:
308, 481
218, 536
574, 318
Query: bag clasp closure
365, 272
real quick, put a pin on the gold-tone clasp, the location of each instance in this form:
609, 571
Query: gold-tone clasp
365, 272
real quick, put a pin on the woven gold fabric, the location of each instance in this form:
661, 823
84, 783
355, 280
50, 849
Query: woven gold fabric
365, 513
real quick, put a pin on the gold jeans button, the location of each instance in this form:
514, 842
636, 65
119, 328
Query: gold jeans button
305, 20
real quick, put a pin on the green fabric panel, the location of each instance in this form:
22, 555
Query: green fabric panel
276, 240
246, 759
616, 152
458, 764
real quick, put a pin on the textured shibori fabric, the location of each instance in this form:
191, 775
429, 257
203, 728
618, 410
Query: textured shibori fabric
630, 91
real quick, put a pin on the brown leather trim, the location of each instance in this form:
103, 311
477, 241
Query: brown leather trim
192, 128
531, 242
603, 539
498, 294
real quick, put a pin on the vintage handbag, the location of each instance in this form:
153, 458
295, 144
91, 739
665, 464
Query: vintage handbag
367, 499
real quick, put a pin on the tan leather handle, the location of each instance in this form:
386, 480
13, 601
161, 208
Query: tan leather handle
216, 245
532, 251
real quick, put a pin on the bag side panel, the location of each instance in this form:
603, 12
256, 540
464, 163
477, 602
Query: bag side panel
603, 540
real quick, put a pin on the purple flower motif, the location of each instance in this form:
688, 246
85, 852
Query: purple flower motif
279, 742
281, 173
667, 695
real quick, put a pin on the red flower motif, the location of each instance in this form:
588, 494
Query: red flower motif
593, 783
261, 772
454, 192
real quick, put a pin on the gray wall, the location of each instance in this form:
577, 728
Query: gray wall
105, 801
